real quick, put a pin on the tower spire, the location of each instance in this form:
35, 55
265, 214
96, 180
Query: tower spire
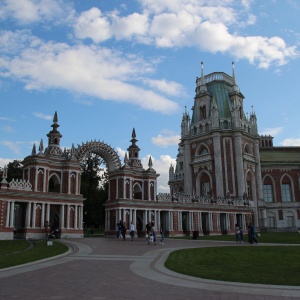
54, 137
133, 151
235, 87
202, 83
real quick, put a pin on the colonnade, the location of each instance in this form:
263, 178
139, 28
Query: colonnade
191, 219
30, 218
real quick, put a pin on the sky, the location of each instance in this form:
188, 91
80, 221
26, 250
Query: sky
108, 66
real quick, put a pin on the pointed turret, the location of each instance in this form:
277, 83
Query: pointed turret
133, 151
185, 124
171, 172
54, 137
41, 147
150, 164
33, 152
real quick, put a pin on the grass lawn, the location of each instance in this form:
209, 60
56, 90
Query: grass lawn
279, 265
17, 252
265, 237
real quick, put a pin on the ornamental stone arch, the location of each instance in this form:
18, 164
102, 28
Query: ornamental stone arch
109, 155
203, 177
268, 179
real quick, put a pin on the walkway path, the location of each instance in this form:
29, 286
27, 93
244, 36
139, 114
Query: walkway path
100, 268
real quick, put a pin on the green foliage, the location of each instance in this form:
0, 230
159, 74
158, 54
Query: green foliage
19, 252
244, 263
14, 170
94, 187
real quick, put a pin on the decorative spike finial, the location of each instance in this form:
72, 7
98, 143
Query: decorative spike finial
55, 119
33, 152
133, 134
150, 164
41, 147
202, 83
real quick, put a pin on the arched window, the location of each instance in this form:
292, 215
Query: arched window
202, 112
54, 184
286, 192
195, 130
225, 124
137, 192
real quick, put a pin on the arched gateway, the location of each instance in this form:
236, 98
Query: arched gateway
110, 156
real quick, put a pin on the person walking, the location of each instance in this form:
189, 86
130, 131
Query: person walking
237, 233
153, 232
131, 230
123, 230
242, 236
162, 235
253, 234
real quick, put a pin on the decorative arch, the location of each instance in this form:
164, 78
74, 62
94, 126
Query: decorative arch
290, 217
137, 191
54, 183
250, 184
248, 149
109, 155
202, 147
202, 177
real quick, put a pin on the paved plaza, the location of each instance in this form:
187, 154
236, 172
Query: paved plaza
108, 268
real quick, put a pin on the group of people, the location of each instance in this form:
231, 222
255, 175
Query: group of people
121, 230
240, 237
150, 232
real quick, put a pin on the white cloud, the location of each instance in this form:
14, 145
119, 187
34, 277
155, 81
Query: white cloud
92, 24
290, 142
208, 25
14, 146
94, 71
5, 161
167, 87
272, 131
121, 153
161, 166
7, 119
7, 129
28, 11
42, 116
166, 139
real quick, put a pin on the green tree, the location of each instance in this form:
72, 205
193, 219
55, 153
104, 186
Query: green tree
14, 170
94, 187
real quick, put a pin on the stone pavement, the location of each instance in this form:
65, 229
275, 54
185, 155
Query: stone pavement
108, 268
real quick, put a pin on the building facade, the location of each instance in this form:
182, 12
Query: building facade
225, 174
47, 198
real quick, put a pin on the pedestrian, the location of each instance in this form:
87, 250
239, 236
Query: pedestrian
47, 229
237, 234
162, 235
253, 235
118, 232
148, 228
242, 236
123, 230
131, 230
153, 232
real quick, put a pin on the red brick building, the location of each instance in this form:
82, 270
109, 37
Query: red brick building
49, 193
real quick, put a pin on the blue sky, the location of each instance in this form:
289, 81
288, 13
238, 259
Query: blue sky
107, 66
